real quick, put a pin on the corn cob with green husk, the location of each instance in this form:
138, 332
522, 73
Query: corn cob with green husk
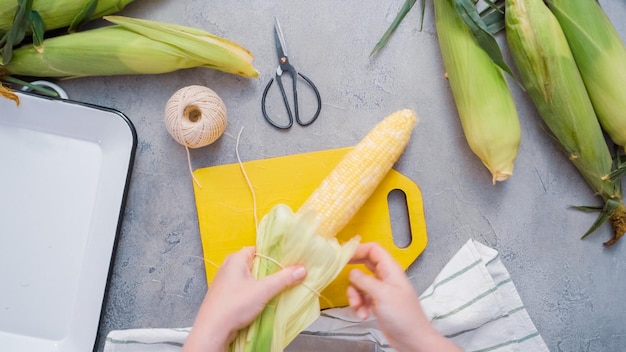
600, 55
33, 17
551, 78
131, 46
483, 100
308, 236
61, 13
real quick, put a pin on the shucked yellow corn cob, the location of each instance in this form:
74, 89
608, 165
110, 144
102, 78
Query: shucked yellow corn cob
483, 100
308, 237
352, 182
600, 55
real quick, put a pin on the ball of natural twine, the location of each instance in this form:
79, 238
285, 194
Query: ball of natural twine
195, 116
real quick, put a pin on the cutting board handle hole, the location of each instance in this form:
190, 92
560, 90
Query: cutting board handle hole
399, 216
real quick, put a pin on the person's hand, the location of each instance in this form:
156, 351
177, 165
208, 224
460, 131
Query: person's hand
234, 300
390, 297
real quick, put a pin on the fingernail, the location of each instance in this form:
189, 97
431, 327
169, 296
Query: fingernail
299, 273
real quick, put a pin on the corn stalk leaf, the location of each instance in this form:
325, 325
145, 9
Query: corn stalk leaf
493, 16
404, 10
609, 208
34, 87
83, 16
619, 165
38, 28
619, 172
17, 32
494, 6
587, 208
468, 12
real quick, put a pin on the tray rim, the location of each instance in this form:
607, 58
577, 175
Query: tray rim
114, 113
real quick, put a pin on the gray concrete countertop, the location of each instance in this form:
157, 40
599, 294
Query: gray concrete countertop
572, 288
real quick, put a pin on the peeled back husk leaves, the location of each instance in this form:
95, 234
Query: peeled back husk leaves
600, 55
481, 94
131, 46
294, 240
551, 78
59, 13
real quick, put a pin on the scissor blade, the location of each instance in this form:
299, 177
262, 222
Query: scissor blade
280, 40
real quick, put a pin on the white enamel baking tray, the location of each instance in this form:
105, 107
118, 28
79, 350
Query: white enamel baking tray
64, 171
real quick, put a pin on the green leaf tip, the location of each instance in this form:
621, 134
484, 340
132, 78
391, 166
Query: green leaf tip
404, 10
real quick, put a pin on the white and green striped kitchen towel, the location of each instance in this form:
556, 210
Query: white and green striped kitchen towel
472, 301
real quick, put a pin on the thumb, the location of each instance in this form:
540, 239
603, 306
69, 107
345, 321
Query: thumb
281, 280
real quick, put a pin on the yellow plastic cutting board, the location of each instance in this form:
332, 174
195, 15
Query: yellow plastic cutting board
226, 212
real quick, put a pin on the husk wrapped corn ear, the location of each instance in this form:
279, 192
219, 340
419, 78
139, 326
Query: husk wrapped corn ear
131, 46
291, 239
551, 78
481, 93
308, 239
600, 55
59, 13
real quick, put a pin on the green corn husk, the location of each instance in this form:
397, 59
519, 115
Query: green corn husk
293, 238
481, 93
59, 13
600, 55
132, 46
550, 76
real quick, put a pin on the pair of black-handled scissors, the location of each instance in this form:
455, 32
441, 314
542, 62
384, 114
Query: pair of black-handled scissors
286, 67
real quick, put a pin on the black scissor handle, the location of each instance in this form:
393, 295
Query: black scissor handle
266, 116
295, 102
317, 96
